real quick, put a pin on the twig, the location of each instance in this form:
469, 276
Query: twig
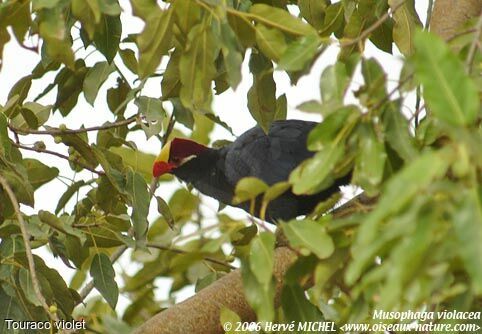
180, 251
28, 249
473, 46
57, 131
60, 155
374, 26
90, 286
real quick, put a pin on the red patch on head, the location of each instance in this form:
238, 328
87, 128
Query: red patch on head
161, 167
184, 148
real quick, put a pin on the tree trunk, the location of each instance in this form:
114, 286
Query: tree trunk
450, 15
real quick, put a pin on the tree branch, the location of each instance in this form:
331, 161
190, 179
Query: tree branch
28, 249
58, 131
200, 313
180, 251
449, 15
60, 155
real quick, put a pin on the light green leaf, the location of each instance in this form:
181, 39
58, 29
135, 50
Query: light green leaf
67, 195
197, 68
315, 174
296, 307
370, 161
400, 190
38, 173
248, 188
155, 40
280, 19
467, 221
262, 95
151, 108
313, 11
449, 93
139, 197
299, 53
309, 235
261, 257
103, 275
107, 36
270, 41
233, 58
95, 77
406, 21
397, 132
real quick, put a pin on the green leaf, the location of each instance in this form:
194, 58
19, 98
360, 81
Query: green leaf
261, 298
312, 175
398, 192
196, 68
374, 89
139, 197
309, 235
32, 115
21, 88
299, 53
151, 108
88, 13
313, 11
94, 78
334, 19
5, 143
171, 80
326, 132
107, 36
103, 275
467, 221
270, 41
262, 95
155, 40
248, 188
11, 309
38, 173
128, 57
139, 161
406, 21
165, 211
56, 38
370, 161
21, 187
296, 307
261, 257
334, 83
449, 93
232, 56
397, 132
280, 19
67, 195
227, 316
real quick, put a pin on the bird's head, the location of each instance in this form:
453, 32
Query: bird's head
175, 153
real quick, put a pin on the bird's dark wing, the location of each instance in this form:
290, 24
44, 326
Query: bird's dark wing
270, 157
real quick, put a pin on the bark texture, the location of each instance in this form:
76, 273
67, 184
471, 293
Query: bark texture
200, 313
449, 15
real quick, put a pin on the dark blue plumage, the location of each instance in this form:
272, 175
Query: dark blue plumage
270, 157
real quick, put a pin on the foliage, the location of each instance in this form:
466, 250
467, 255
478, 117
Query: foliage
417, 248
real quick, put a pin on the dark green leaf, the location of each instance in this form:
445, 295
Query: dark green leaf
309, 235
38, 173
137, 189
94, 78
103, 275
449, 93
107, 36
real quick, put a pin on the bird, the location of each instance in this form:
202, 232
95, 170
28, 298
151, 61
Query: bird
270, 156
